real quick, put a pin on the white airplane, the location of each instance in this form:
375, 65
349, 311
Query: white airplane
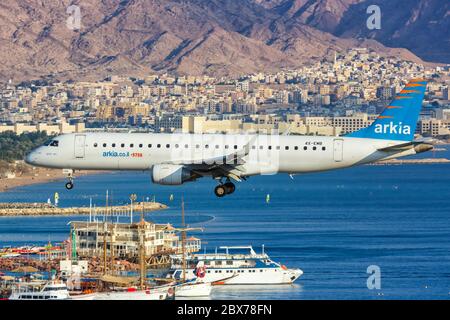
174, 159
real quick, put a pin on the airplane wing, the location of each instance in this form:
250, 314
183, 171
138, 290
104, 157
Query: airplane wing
229, 165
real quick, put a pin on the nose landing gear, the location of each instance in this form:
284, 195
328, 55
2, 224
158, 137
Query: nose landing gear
69, 185
224, 189
69, 173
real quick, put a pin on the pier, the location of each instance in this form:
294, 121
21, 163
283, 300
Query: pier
40, 209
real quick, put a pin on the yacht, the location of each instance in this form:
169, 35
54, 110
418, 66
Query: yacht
52, 290
234, 265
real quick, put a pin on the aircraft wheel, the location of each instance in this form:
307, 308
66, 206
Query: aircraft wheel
220, 191
69, 185
230, 187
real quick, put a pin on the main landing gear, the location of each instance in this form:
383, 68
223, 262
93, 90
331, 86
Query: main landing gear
224, 189
69, 173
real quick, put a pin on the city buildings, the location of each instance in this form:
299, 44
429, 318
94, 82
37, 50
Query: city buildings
330, 97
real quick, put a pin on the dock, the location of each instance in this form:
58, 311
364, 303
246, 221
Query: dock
41, 209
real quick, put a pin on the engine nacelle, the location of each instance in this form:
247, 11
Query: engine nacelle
171, 174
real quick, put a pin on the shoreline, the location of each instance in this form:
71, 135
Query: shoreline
39, 175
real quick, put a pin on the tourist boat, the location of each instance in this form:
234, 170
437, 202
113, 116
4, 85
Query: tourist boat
52, 290
234, 267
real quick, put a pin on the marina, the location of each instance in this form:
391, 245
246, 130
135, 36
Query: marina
124, 247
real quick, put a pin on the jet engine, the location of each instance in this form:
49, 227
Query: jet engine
171, 174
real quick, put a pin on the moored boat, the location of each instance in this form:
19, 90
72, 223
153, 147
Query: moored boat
193, 289
234, 267
51, 290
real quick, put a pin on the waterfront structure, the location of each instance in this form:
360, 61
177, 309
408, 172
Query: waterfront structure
122, 240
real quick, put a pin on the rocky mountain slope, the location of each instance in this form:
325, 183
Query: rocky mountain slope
137, 37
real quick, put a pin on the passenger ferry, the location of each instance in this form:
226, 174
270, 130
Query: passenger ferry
234, 267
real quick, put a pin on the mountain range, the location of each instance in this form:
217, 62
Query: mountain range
214, 37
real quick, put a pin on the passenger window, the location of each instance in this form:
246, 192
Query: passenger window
95, 145
286, 147
54, 143
305, 148
217, 146
167, 145
226, 146
104, 145
186, 146
323, 148
140, 145
261, 147
235, 146
158, 145
197, 146
206, 146
113, 145
270, 147
131, 145
296, 148
278, 147
253, 147
122, 145
149, 145
176, 145
314, 148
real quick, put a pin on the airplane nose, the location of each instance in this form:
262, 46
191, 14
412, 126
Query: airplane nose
30, 158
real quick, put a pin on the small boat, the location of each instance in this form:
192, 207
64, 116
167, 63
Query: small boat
135, 294
193, 289
235, 267
10, 255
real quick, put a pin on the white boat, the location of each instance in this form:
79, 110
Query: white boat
10, 255
83, 296
193, 289
233, 267
52, 290
157, 293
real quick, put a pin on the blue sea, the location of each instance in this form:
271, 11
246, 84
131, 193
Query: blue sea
332, 225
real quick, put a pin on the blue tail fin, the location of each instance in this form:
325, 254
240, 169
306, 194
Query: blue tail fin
398, 120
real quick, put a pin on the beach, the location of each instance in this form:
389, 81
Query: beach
35, 176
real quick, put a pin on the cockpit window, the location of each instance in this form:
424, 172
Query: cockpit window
54, 143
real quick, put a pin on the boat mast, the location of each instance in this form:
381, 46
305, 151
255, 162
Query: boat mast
104, 246
183, 240
105, 229
142, 248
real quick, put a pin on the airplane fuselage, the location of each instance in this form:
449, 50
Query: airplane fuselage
265, 154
